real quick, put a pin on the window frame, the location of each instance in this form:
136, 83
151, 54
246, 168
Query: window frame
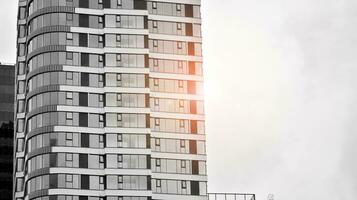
157, 122
158, 162
182, 143
69, 36
184, 184
157, 142
158, 183
69, 116
69, 16
182, 123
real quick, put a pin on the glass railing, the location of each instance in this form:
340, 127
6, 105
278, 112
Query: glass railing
230, 196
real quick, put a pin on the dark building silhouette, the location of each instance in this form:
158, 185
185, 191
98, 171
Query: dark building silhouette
7, 84
7, 88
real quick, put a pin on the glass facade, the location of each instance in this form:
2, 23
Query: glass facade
109, 102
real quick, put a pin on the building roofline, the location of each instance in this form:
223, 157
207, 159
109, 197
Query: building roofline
7, 64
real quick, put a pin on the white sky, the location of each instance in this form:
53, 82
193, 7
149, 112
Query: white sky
280, 95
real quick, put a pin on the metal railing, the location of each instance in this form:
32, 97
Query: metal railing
230, 196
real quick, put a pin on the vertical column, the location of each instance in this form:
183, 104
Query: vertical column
20, 89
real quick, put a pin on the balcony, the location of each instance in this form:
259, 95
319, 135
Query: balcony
230, 196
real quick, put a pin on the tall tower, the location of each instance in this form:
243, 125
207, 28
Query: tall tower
109, 101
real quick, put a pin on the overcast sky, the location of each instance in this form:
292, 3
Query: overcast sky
281, 94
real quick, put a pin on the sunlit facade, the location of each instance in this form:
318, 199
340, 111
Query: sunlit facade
109, 101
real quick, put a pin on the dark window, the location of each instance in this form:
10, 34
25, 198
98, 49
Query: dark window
147, 121
192, 68
139, 4
149, 182
85, 59
147, 81
83, 119
195, 188
106, 3
81, 198
53, 197
84, 79
53, 160
84, 3
84, 140
191, 48
193, 147
193, 107
193, 126
148, 162
148, 143
53, 142
147, 100
83, 20
146, 42
191, 87
146, 60
83, 99
188, 10
83, 40
195, 167
84, 182
189, 29
53, 180
83, 160
145, 22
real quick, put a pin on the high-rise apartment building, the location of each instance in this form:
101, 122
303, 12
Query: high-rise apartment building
109, 101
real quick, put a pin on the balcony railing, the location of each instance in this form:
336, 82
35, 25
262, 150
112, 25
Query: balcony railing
230, 196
